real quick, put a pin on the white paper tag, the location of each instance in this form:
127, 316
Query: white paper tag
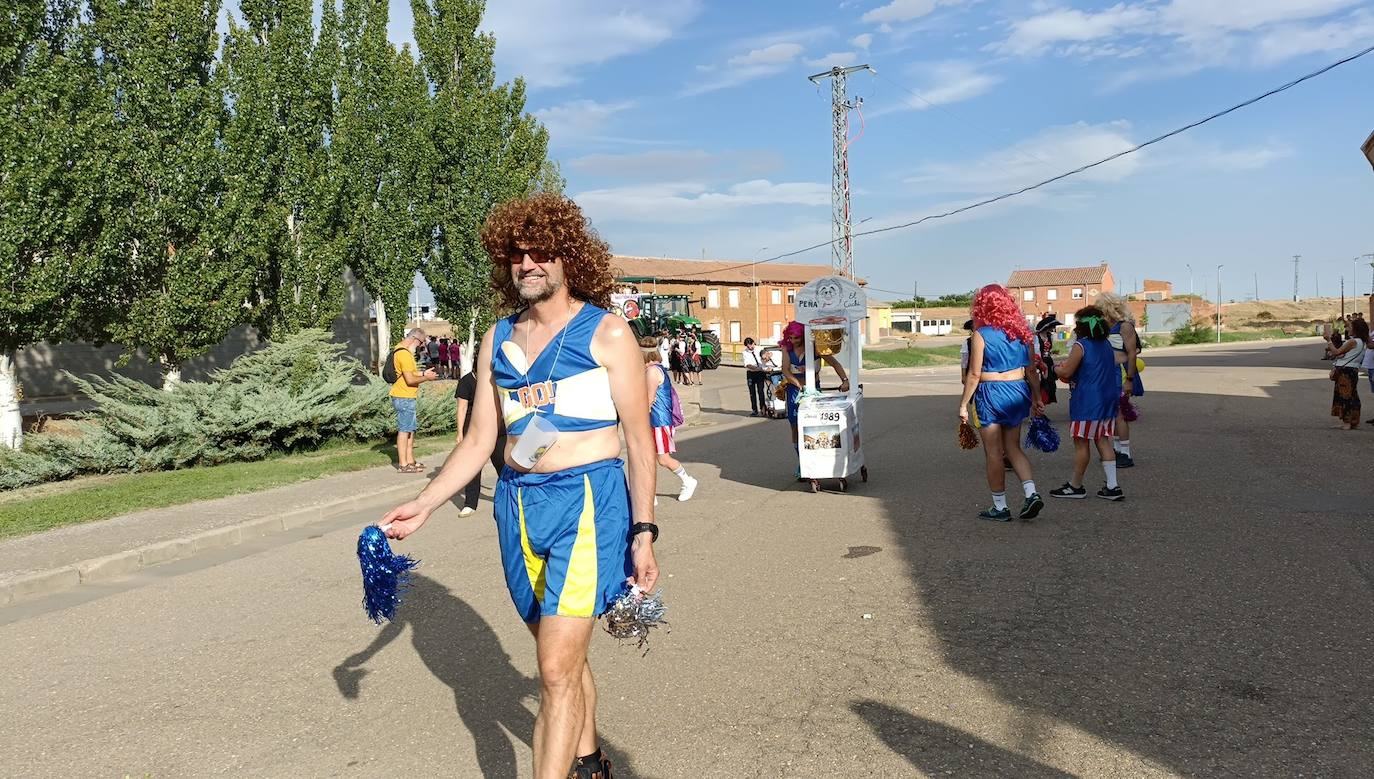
539, 437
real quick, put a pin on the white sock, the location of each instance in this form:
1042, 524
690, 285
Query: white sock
1116, 444
681, 473
999, 500
1123, 445
1110, 470
1029, 487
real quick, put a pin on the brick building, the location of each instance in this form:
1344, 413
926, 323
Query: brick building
736, 302
1059, 291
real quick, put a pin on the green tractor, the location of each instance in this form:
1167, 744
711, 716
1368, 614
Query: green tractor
673, 313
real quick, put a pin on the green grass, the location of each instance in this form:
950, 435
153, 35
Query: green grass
911, 357
47, 506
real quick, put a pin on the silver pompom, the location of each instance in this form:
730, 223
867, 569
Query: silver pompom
633, 614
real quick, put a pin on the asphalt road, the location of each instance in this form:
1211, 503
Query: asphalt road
1216, 623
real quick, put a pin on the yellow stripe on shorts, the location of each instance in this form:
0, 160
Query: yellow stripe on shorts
578, 598
534, 564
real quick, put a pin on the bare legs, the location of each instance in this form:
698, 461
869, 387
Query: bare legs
405, 449
566, 725
1000, 442
1082, 455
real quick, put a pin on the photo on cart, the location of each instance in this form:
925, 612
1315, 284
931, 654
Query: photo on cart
827, 437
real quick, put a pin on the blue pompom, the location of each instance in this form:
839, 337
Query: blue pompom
385, 574
1042, 435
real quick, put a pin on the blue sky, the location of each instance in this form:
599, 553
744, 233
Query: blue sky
688, 127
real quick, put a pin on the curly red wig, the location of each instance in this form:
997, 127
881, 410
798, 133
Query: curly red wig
555, 225
993, 306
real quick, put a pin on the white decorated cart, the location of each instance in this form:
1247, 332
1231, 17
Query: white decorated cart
832, 310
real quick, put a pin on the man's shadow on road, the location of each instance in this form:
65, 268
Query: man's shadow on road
463, 652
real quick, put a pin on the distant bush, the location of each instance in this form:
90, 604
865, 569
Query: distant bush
1265, 315
1194, 334
290, 396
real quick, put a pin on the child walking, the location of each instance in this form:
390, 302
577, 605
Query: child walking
1094, 400
664, 419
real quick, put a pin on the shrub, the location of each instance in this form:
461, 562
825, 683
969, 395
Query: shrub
1194, 334
1264, 316
290, 396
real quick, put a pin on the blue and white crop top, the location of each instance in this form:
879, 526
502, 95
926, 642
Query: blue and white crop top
565, 384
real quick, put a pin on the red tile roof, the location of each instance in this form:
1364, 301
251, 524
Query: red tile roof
1054, 277
716, 271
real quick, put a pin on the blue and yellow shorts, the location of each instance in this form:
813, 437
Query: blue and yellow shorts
564, 538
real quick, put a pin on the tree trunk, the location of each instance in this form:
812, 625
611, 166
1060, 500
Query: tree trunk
383, 335
466, 357
171, 376
11, 421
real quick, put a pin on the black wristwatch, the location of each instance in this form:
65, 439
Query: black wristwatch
643, 527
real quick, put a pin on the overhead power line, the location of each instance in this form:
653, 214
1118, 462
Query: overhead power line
1061, 176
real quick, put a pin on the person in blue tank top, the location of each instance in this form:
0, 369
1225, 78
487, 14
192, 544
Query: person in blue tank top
1004, 387
662, 399
562, 374
1094, 400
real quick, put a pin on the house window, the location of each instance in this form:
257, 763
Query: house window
776, 296
713, 298
735, 335
1028, 295
1052, 294
791, 296
733, 297
715, 328
777, 330
1077, 293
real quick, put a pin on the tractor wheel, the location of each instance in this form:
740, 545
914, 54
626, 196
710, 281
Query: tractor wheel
712, 361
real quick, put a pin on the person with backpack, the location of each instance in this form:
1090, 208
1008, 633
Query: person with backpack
665, 416
405, 378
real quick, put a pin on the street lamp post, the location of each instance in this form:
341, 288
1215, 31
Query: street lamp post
1190, 278
754, 274
1219, 267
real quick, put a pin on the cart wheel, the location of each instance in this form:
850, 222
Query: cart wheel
844, 485
863, 473
815, 485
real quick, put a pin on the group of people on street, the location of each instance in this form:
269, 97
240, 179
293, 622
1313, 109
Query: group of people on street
1349, 351
443, 354
681, 351
1010, 375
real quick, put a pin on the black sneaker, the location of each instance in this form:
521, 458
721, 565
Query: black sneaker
1111, 493
995, 514
1032, 507
1069, 491
1124, 460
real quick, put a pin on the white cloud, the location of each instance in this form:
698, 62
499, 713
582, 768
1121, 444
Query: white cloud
942, 83
579, 118
862, 41
1295, 40
1050, 152
1239, 160
1037, 34
550, 41
1202, 33
904, 10
767, 60
838, 59
679, 164
776, 54
683, 201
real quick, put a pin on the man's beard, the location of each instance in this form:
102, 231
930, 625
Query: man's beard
539, 295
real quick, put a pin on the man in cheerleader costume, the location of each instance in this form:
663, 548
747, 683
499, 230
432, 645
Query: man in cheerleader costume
562, 375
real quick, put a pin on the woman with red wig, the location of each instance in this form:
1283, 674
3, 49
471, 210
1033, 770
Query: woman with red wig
794, 373
1001, 363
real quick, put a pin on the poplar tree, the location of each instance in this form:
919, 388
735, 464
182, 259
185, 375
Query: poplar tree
279, 81
182, 289
380, 162
50, 171
486, 149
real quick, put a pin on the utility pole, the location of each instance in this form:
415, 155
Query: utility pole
1219, 267
841, 230
1256, 287
1342, 296
1296, 259
1190, 278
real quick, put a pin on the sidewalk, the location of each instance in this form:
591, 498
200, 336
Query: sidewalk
44, 563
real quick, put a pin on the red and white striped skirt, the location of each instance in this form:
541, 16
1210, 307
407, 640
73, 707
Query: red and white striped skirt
1092, 429
664, 440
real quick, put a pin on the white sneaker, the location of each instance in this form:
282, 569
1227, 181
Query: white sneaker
655, 500
466, 512
689, 486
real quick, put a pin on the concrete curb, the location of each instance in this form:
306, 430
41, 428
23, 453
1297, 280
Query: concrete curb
37, 584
